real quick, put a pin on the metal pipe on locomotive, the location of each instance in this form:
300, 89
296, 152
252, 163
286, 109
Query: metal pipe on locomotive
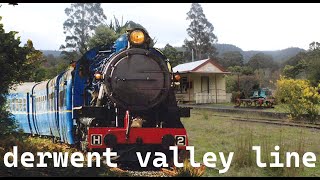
119, 96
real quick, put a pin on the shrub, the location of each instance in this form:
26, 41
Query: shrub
299, 97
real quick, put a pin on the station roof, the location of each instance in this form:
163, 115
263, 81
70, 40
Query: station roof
201, 66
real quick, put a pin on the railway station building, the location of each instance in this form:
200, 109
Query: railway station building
201, 82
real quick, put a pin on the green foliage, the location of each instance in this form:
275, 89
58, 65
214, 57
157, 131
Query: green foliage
313, 66
117, 27
248, 84
299, 97
201, 32
102, 35
243, 70
295, 59
173, 55
107, 34
293, 71
83, 18
244, 83
8, 125
17, 64
231, 58
53, 66
261, 61
305, 65
231, 84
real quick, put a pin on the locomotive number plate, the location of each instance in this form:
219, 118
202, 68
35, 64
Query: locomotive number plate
96, 139
180, 140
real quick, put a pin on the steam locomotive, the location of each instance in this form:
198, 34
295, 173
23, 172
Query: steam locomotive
119, 96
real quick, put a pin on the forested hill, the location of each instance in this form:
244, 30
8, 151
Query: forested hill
278, 56
53, 52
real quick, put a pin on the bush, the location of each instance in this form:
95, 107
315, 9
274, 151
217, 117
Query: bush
8, 125
235, 96
299, 97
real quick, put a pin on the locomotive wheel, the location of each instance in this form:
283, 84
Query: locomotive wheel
269, 104
249, 103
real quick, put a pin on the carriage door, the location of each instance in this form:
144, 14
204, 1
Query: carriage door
205, 84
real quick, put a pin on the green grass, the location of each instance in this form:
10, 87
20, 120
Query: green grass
222, 104
279, 108
208, 133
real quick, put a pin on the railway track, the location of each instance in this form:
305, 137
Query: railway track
152, 172
158, 172
281, 122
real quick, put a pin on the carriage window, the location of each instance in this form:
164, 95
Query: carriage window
19, 105
24, 109
24, 105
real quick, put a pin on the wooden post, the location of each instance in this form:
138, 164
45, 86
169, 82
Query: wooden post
189, 84
215, 82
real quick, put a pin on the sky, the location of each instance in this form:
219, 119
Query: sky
249, 26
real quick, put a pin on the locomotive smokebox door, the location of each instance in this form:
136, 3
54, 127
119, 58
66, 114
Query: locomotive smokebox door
138, 80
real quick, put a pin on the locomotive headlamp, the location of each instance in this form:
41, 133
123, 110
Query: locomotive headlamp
98, 75
177, 77
137, 37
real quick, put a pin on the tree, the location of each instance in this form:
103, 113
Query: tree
107, 34
231, 58
314, 46
262, 61
117, 27
299, 97
201, 32
83, 18
313, 63
173, 55
17, 64
293, 71
102, 35
243, 70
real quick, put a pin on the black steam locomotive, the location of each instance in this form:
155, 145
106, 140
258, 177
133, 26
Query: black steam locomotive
119, 96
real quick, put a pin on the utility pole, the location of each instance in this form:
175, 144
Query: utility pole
192, 55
